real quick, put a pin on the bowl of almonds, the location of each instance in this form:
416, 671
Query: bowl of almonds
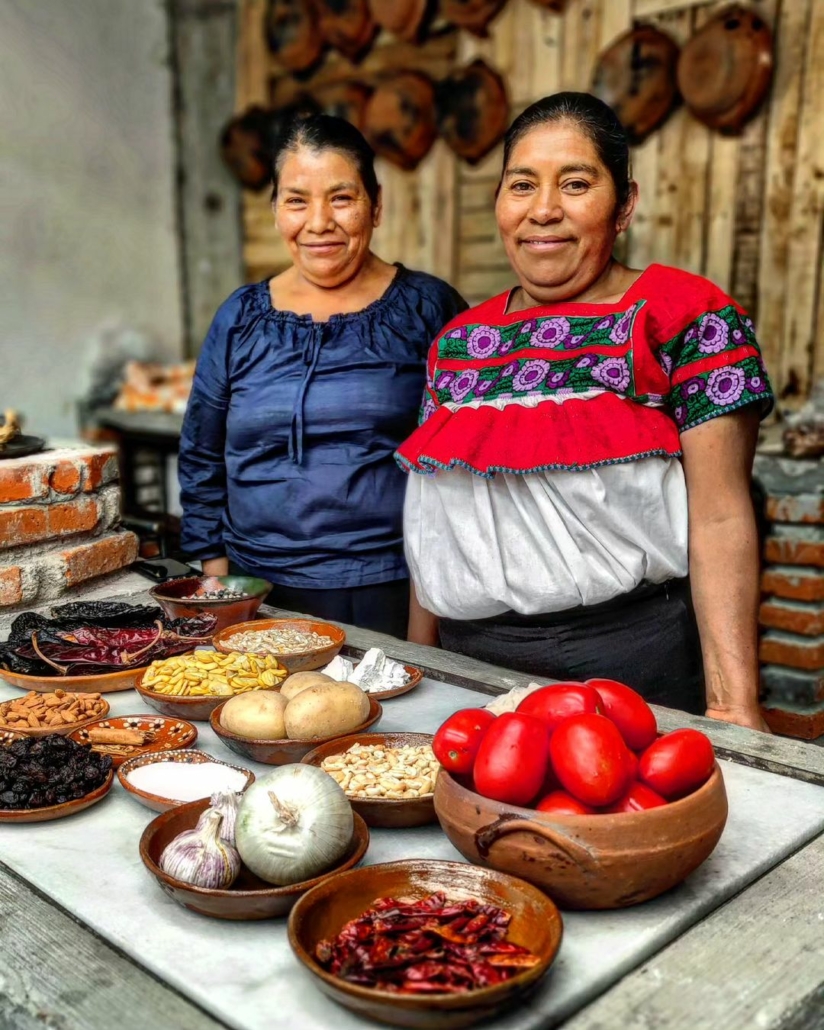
37, 714
389, 778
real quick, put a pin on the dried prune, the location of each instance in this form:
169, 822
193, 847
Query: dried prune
48, 771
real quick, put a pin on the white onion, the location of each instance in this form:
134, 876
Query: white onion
293, 824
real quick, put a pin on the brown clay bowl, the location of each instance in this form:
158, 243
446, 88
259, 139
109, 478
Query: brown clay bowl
101, 683
170, 596
249, 897
391, 813
183, 706
415, 677
298, 661
282, 752
157, 802
169, 735
63, 730
586, 861
42, 815
322, 912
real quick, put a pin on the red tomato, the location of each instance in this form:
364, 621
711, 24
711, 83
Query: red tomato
632, 765
677, 763
589, 757
512, 759
457, 741
560, 803
558, 701
638, 798
628, 710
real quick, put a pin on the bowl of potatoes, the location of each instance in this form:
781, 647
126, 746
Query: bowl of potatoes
280, 727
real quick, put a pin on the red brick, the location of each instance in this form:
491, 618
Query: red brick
73, 517
804, 508
66, 478
100, 468
793, 617
796, 652
21, 526
22, 483
786, 551
11, 585
798, 584
107, 554
803, 721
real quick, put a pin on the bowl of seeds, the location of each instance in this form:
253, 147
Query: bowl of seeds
298, 644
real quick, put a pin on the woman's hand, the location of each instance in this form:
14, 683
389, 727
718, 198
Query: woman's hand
745, 715
216, 567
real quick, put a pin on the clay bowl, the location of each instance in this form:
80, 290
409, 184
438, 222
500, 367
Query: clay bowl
169, 734
391, 813
298, 661
42, 815
63, 731
182, 706
586, 861
282, 752
157, 802
249, 897
322, 912
101, 683
169, 596
415, 677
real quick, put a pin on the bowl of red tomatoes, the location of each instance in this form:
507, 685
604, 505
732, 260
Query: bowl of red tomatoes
577, 792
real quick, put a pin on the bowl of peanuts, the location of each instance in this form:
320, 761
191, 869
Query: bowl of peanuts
37, 714
299, 644
389, 778
190, 686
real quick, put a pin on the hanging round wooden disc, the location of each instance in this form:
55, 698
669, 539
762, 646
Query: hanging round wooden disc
472, 110
347, 25
400, 118
345, 100
552, 5
293, 35
246, 147
406, 19
636, 76
472, 15
725, 70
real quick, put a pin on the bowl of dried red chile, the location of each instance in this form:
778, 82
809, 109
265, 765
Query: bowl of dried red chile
425, 944
50, 777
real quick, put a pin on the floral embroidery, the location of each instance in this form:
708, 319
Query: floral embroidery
443, 380
457, 334
713, 334
665, 361
427, 410
620, 334
725, 385
483, 341
692, 386
551, 333
464, 384
719, 391
530, 375
614, 372
757, 384
557, 379
587, 361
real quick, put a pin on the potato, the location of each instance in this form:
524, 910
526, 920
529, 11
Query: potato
257, 714
326, 710
299, 681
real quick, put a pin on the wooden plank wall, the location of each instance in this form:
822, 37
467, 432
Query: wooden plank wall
747, 212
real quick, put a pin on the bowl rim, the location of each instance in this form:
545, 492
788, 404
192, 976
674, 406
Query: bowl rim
153, 757
156, 591
45, 731
221, 731
263, 624
360, 833
445, 1000
92, 677
191, 732
8, 814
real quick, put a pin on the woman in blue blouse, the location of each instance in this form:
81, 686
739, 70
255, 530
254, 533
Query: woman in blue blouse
306, 385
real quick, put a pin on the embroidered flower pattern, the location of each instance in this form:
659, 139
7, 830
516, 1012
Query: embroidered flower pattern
587, 361
713, 334
457, 334
620, 334
556, 380
443, 380
552, 332
614, 373
665, 361
483, 341
530, 375
464, 384
757, 384
427, 410
725, 385
692, 387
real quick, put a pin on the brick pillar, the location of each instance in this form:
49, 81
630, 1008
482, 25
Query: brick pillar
59, 512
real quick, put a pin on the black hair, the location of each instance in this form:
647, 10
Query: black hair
321, 132
595, 118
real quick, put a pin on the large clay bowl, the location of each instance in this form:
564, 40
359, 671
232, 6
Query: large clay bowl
391, 813
168, 734
282, 752
48, 812
101, 683
182, 706
170, 596
297, 661
158, 802
322, 913
62, 729
587, 861
249, 897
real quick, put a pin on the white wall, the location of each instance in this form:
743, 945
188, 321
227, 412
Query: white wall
87, 218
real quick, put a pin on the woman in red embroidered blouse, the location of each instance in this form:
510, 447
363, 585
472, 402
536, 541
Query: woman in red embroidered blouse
586, 442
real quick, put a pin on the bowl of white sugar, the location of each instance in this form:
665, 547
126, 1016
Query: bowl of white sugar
165, 779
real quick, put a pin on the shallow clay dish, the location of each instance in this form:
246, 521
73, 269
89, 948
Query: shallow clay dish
249, 897
282, 752
415, 678
169, 735
156, 802
586, 861
169, 596
322, 913
183, 706
42, 815
298, 661
101, 683
385, 812
61, 730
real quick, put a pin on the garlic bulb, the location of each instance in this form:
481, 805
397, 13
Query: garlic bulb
200, 857
227, 803
293, 824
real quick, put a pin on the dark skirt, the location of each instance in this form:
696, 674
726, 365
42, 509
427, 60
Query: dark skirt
647, 639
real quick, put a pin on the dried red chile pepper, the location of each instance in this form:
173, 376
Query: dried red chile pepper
430, 946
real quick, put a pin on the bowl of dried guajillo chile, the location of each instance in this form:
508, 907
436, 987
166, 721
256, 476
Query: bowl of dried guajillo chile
476, 941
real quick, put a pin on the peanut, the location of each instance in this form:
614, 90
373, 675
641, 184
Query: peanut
374, 771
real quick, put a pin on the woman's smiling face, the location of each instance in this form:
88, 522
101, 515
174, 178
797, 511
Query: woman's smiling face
557, 212
324, 214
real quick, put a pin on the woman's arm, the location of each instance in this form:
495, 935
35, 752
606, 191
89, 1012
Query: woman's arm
724, 562
423, 625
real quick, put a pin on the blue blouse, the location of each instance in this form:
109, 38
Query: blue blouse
286, 456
